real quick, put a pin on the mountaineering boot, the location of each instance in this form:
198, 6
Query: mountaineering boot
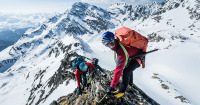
119, 95
110, 90
78, 91
115, 92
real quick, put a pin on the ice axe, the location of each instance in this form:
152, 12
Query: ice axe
144, 53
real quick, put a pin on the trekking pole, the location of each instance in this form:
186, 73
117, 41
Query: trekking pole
101, 98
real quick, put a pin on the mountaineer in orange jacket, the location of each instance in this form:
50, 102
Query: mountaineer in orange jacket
122, 69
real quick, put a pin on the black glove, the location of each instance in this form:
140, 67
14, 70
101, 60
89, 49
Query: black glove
95, 61
110, 90
78, 90
93, 74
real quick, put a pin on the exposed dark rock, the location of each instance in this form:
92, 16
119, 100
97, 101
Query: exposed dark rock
194, 11
155, 77
95, 94
4, 84
179, 37
7, 63
164, 86
157, 18
183, 99
154, 37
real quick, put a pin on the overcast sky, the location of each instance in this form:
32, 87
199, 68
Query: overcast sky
49, 6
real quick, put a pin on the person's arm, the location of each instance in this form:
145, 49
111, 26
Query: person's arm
91, 69
100, 69
118, 71
90, 66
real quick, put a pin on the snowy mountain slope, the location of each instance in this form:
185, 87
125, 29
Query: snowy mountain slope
31, 73
177, 76
35, 67
35, 71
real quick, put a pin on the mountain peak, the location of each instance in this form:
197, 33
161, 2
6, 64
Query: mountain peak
81, 9
88, 18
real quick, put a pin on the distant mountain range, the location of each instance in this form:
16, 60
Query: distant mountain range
13, 26
9, 37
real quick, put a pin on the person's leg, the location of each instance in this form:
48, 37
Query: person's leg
131, 79
127, 73
84, 79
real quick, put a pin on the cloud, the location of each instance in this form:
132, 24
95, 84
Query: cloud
108, 2
14, 21
35, 6
52, 6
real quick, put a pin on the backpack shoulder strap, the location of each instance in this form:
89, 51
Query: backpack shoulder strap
125, 52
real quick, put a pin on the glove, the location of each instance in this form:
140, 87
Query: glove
93, 74
110, 90
79, 92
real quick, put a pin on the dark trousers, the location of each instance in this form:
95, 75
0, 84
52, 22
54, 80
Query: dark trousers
127, 77
83, 79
